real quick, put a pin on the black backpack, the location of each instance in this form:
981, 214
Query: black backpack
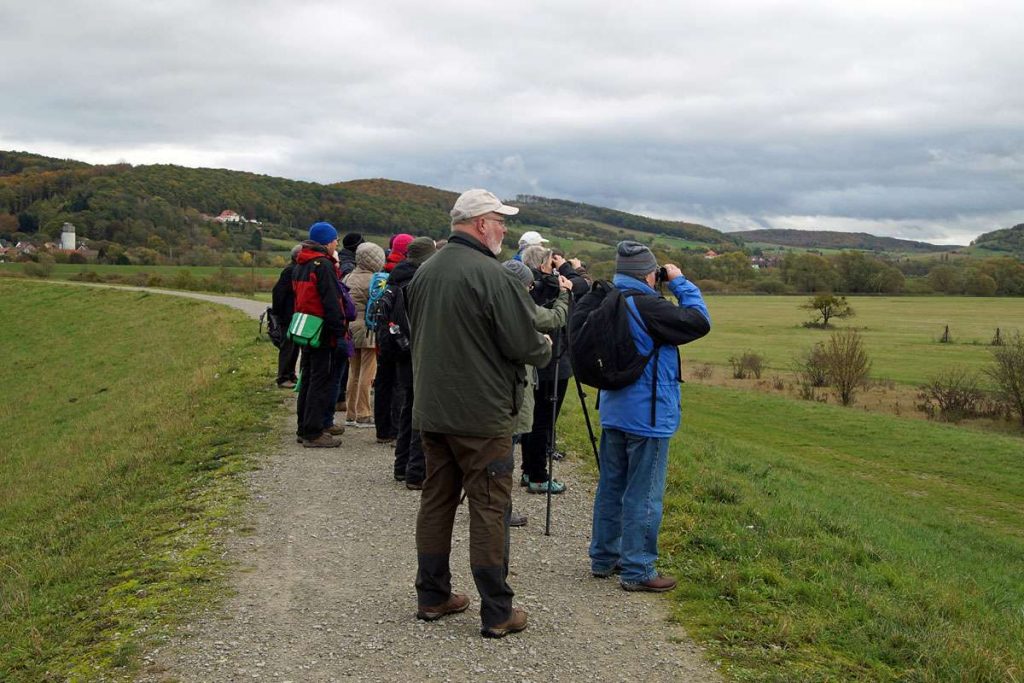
603, 352
601, 345
392, 321
274, 329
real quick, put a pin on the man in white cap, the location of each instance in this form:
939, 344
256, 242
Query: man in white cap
473, 332
530, 238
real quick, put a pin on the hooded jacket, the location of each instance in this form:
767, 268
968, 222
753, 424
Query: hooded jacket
315, 284
369, 260
399, 249
668, 325
472, 334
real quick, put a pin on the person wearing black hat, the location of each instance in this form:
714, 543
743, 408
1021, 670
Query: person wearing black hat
347, 254
638, 420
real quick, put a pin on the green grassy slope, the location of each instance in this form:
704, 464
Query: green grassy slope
817, 543
126, 418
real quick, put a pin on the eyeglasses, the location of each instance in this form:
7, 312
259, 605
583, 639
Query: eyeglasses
499, 221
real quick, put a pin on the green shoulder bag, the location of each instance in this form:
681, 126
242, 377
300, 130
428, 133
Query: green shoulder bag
305, 330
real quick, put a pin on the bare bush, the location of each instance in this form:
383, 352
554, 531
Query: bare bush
778, 383
810, 366
748, 364
1007, 372
952, 395
847, 363
702, 371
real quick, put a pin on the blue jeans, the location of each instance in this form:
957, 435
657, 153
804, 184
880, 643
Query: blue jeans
628, 504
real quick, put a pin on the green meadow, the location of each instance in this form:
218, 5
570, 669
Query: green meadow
127, 418
821, 543
65, 271
901, 333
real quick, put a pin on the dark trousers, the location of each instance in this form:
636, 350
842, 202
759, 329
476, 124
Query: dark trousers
314, 391
537, 442
339, 365
409, 461
287, 355
385, 407
483, 466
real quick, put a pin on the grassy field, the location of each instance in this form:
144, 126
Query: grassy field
64, 271
127, 417
816, 543
901, 333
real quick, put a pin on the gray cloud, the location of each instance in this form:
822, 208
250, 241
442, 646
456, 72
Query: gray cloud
901, 119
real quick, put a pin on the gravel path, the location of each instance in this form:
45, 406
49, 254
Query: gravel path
324, 590
323, 586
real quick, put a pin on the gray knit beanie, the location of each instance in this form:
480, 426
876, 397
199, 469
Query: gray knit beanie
420, 249
634, 259
520, 270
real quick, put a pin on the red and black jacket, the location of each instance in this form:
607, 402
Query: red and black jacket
315, 283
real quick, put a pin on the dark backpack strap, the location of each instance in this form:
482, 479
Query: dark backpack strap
654, 386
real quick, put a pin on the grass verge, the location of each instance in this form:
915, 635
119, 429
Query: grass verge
816, 543
131, 417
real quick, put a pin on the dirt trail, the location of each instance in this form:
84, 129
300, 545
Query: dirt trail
323, 586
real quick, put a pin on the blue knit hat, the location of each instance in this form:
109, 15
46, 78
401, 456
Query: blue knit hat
323, 233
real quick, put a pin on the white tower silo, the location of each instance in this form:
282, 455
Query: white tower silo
67, 237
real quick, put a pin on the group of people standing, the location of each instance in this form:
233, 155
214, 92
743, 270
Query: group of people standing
470, 359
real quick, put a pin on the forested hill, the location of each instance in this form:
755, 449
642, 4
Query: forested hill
170, 208
825, 239
1010, 240
543, 211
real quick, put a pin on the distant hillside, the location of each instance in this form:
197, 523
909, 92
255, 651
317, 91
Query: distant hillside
558, 212
168, 209
1009, 240
826, 239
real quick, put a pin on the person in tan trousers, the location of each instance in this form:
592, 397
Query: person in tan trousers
363, 364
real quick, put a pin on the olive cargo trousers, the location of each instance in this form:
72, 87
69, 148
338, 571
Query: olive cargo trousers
483, 466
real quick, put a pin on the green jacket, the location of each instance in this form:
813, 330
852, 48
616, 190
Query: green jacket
472, 333
546, 320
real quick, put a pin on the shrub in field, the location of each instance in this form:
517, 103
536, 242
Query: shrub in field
702, 371
846, 362
826, 307
748, 364
952, 395
41, 268
810, 366
1007, 372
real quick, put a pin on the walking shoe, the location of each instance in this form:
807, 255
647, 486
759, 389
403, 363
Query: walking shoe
542, 487
524, 480
514, 624
659, 584
365, 422
351, 423
517, 519
286, 385
455, 603
387, 441
298, 439
399, 476
606, 573
414, 486
335, 430
325, 440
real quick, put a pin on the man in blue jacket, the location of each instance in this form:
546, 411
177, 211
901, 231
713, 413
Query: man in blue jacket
634, 434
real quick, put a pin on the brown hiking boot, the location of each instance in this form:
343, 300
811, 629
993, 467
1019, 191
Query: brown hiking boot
455, 603
514, 624
325, 440
335, 430
659, 584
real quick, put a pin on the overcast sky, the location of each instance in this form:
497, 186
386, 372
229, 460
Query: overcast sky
894, 118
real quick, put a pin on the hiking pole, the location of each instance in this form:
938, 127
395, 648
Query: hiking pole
579, 388
551, 444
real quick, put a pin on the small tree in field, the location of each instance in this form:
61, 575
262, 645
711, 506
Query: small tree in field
1008, 373
847, 363
827, 306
